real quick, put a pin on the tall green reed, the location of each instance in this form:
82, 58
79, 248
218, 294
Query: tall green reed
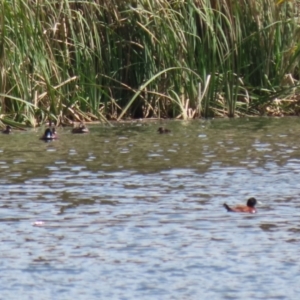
99, 60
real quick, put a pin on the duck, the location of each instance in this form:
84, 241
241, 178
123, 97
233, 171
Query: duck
50, 134
7, 130
162, 130
249, 208
80, 129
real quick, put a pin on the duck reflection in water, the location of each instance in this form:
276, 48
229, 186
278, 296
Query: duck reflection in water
249, 208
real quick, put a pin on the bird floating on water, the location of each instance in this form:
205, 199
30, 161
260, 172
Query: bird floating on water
163, 130
49, 135
7, 130
249, 208
80, 129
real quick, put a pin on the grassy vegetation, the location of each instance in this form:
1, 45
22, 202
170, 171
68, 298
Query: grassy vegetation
112, 59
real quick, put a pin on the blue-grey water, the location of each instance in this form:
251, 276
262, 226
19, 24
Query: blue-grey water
126, 213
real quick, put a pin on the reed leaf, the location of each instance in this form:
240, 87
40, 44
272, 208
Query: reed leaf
110, 59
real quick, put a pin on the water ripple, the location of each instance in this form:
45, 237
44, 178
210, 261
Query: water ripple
130, 214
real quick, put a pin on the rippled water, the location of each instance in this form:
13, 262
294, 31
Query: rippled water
131, 214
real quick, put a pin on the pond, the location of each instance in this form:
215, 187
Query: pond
127, 213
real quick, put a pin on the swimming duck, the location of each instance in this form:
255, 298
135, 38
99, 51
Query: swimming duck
163, 130
50, 134
80, 129
249, 208
7, 130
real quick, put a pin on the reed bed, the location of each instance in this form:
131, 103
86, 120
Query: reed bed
111, 59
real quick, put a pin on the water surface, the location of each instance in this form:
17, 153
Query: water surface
132, 214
